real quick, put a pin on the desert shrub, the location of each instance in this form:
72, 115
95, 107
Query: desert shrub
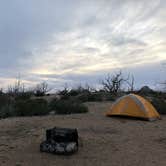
64, 94
41, 89
65, 97
85, 97
65, 91
159, 95
159, 104
31, 107
110, 97
67, 94
96, 96
1, 92
38, 93
74, 92
67, 107
78, 91
4, 100
7, 111
24, 95
6, 106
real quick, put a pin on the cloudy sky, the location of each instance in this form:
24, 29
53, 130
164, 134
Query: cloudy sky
80, 41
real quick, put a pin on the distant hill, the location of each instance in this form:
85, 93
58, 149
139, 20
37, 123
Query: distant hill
145, 89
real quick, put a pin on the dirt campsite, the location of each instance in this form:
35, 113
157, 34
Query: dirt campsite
102, 140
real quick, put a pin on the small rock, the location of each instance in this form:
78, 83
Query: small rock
18, 164
71, 147
52, 113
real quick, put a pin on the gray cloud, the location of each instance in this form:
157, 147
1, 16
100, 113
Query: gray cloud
118, 41
75, 40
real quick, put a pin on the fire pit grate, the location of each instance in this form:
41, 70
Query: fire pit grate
60, 141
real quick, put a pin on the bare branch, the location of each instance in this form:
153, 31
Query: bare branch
41, 89
130, 82
113, 83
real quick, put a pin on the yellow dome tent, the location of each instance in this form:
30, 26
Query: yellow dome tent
134, 106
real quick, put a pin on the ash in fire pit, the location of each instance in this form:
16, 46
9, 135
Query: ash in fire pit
60, 141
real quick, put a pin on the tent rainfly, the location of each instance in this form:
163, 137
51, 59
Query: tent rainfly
133, 106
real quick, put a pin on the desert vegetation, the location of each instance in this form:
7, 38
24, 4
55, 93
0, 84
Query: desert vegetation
19, 101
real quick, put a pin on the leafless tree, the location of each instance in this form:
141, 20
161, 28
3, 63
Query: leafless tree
41, 89
89, 88
130, 81
113, 83
1, 91
65, 90
17, 88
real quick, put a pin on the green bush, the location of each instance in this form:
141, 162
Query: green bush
31, 107
160, 105
67, 107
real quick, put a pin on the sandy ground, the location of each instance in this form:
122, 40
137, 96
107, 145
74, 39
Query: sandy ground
104, 141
